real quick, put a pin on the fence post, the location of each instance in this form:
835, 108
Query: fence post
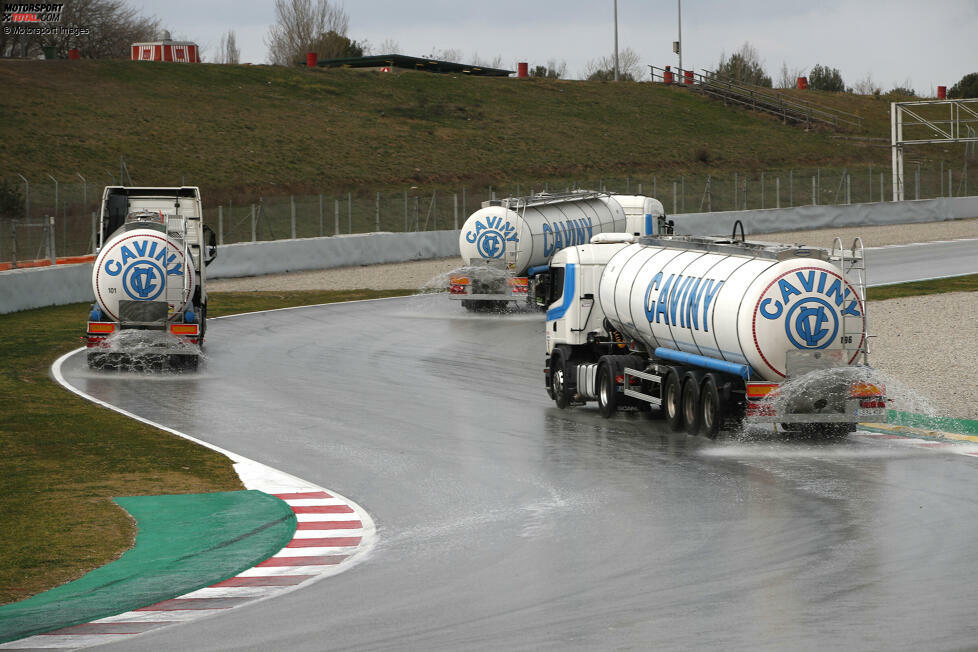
322, 232
814, 197
882, 191
434, 209
871, 184
762, 189
950, 188
818, 172
292, 205
336, 216
736, 193
916, 185
940, 180
455, 209
675, 199
464, 210
52, 249
94, 231
682, 203
220, 224
639, 187
349, 211
405, 212
848, 188
254, 227
777, 192
791, 188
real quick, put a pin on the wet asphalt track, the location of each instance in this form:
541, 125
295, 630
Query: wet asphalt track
505, 523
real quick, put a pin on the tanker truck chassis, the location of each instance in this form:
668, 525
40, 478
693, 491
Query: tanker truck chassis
150, 305
645, 324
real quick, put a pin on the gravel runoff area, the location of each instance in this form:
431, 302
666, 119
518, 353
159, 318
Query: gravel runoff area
925, 347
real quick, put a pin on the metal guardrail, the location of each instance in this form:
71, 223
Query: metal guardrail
758, 98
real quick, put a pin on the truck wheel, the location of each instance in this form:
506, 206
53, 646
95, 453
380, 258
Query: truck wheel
560, 379
711, 407
691, 403
671, 400
607, 389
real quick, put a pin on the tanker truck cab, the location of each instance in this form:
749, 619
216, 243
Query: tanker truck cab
713, 332
574, 317
149, 279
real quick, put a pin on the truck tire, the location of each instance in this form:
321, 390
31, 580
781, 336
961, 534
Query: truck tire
711, 407
561, 382
691, 403
672, 400
607, 389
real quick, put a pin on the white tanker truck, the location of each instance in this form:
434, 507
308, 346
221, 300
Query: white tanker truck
150, 298
712, 331
508, 241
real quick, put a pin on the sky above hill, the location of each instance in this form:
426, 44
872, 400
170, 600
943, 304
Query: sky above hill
890, 43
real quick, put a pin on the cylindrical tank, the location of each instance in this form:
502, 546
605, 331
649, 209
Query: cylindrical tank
739, 308
143, 264
942, 92
519, 238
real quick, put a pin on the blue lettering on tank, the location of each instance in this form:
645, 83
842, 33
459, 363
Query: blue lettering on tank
126, 254
787, 289
679, 299
491, 235
113, 268
768, 313
662, 306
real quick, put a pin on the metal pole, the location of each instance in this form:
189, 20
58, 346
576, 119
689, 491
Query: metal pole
405, 212
53, 217
52, 252
814, 196
336, 217
254, 226
616, 40
220, 224
377, 220
292, 207
679, 13
434, 209
683, 202
871, 185
791, 188
883, 189
777, 192
675, 199
94, 236
455, 209
762, 189
950, 188
322, 232
27, 197
84, 193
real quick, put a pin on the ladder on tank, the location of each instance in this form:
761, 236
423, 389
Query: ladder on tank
853, 264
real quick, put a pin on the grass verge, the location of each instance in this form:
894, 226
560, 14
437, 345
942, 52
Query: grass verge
65, 458
934, 286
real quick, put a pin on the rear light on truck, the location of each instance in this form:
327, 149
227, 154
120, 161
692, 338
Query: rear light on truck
101, 327
458, 285
185, 329
866, 390
519, 285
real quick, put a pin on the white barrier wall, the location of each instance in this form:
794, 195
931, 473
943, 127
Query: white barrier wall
23, 289
51, 286
820, 217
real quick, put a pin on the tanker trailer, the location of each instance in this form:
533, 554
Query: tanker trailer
508, 241
149, 283
713, 331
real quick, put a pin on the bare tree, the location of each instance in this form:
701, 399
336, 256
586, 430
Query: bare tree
112, 27
449, 54
867, 86
302, 27
603, 68
788, 77
228, 51
389, 46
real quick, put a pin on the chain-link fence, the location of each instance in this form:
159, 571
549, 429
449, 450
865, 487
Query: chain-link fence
42, 219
